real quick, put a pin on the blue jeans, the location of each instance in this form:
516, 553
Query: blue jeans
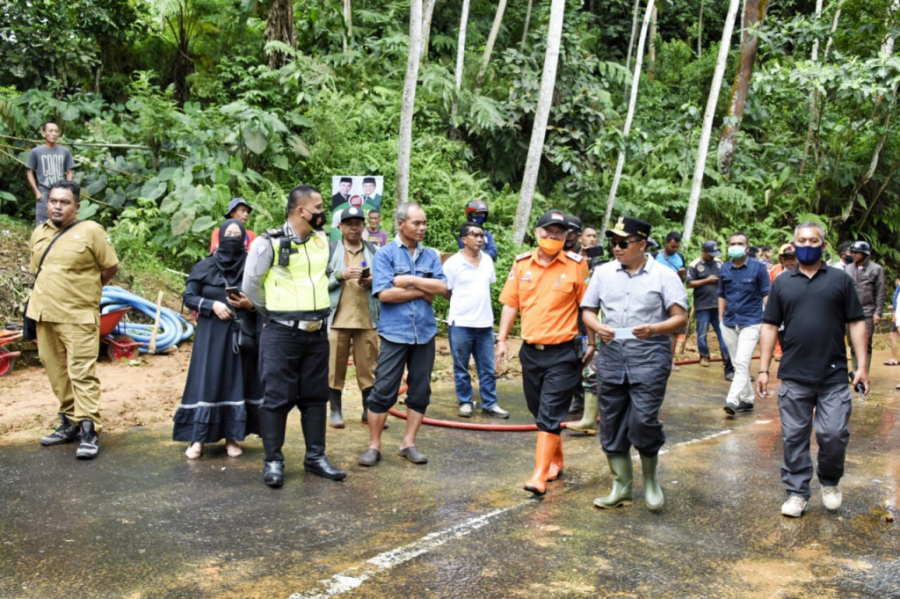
704, 319
478, 342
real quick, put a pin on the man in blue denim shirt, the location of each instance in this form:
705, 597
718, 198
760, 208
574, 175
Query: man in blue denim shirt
743, 291
407, 276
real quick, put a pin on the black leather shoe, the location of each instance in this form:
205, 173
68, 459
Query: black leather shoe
273, 474
320, 467
66, 432
744, 406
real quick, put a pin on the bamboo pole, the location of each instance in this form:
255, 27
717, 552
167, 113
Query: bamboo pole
152, 347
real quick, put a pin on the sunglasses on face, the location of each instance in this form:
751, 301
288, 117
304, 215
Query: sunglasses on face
624, 243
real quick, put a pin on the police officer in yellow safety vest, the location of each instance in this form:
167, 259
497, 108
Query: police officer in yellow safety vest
286, 278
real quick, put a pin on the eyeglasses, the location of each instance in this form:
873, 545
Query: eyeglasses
624, 243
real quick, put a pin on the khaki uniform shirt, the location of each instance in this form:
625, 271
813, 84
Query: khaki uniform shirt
69, 287
353, 311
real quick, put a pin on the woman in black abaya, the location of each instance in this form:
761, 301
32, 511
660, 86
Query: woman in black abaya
223, 390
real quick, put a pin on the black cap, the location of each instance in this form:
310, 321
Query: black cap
369, 180
351, 213
627, 226
235, 203
574, 223
346, 179
553, 217
711, 248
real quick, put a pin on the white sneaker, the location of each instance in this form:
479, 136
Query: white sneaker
465, 410
794, 507
832, 498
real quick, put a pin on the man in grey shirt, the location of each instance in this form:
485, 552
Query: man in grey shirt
47, 164
642, 302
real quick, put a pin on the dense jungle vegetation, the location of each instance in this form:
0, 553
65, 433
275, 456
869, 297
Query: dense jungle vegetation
173, 107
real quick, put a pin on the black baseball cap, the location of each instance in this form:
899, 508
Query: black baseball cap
574, 223
553, 217
627, 226
711, 248
351, 213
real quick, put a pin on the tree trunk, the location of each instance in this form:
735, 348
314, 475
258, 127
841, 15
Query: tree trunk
527, 21
280, 28
630, 116
887, 47
755, 12
495, 29
460, 55
651, 54
700, 32
426, 27
634, 28
404, 147
348, 23
703, 148
541, 116
814, 95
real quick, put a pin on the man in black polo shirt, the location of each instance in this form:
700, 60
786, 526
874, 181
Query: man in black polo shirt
808, 310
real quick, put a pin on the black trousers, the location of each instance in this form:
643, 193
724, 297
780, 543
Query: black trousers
418, 359
293, 366
629, 415
549, 377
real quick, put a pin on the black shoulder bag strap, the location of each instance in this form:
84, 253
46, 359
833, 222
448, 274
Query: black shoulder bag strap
52, 241
29, 326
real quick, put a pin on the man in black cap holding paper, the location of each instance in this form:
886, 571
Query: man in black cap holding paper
643, 303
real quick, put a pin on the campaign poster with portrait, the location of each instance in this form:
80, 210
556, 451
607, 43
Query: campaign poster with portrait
362, 191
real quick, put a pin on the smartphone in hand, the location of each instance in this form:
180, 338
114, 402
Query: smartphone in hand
233, 292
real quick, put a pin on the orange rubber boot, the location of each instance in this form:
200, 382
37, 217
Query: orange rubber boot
556, 465
547, 445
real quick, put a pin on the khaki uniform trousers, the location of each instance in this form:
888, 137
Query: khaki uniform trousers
365, 355
69, 354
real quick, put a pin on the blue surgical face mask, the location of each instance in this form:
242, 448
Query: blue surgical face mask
808, 254
478, 220
736, 252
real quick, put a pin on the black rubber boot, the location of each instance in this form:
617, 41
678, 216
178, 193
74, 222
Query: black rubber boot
334, 399
272, 429
313, 422
66, 432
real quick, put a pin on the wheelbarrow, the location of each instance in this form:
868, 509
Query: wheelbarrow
8, 358
117, 346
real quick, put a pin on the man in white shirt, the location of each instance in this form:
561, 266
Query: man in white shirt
470, 274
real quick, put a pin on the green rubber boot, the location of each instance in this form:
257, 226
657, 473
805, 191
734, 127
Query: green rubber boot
653, 493
622, 475
588, 424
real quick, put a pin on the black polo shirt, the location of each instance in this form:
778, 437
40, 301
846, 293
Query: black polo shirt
814, 313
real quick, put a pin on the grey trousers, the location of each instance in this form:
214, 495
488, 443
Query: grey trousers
41, 208
832, 406
629, 415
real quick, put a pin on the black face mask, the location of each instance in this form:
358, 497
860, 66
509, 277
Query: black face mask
318, 220
847, 259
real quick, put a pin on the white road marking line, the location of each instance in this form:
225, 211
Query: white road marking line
352, 578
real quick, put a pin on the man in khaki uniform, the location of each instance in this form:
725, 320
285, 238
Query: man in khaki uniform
355, 316
65, 303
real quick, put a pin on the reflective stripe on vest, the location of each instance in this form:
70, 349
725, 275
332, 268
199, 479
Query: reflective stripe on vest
300, 289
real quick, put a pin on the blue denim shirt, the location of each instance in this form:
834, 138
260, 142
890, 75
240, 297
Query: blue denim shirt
410, 322
743, 289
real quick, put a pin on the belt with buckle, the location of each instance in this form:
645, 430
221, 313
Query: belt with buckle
303, 325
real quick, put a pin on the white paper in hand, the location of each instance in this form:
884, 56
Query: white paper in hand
623, 334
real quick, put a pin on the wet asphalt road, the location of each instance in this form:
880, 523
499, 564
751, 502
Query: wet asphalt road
141, 521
